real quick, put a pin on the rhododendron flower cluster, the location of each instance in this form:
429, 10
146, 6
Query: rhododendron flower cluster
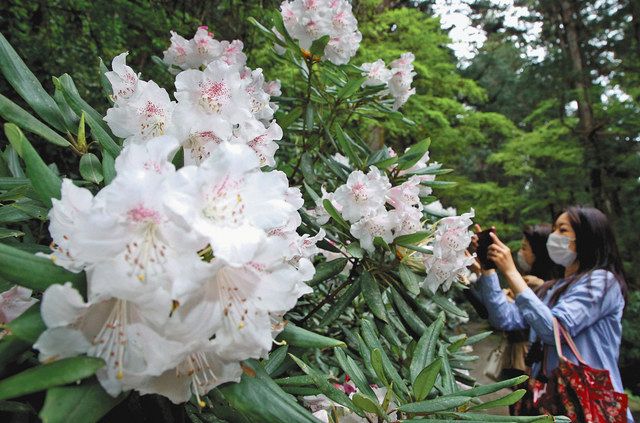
397, 80
164, 319
309, 20
449, 258
218, 99
363, 201
190, 270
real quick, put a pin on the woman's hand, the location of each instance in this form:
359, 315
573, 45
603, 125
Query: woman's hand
500, 254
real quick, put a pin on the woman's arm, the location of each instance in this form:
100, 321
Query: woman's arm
503, 314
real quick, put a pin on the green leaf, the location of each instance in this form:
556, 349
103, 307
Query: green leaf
413, 154
408, 315
29, 325
276, 358
13, 162
425, 170
477, 338
27, 86
511, 419
327, 388
351, 87
417, 248
355, 373
298, 337
439, 184
10, 347
302, 380
507, 400
457, 343
449, 385
45, 376
328, 270
494, 387
259, 398
373, 342
334, 214
306, 166
426, 379
372, 295
16, 114
425, 351
410, 280
365, 403
444, 303
346, 145
339, 306
34, 272
107, 90
45, 182
308, 118
91, 168
355, 250
108, 167
286, 120
10, 233
412, 238
317, 47
434, 405
86, 403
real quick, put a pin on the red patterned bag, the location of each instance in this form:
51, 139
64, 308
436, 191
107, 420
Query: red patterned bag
580, 392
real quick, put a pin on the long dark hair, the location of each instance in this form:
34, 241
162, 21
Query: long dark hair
596, 247
543, 267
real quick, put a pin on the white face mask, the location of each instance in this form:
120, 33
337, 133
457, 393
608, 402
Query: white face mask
558, 248
522, 263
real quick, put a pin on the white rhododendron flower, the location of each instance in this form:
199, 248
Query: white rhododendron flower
14, 302
381, 224
124, 81
310, 20
362, 195
398, 79
448, 260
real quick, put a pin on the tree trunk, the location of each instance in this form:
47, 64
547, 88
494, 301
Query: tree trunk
581, 84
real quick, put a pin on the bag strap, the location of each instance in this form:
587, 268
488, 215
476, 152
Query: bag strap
560, 331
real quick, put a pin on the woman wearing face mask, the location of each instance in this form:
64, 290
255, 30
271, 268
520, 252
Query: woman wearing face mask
588, 301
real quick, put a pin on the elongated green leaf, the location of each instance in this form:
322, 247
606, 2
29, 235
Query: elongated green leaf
302, 380
417, 248
507, 400
10, 233
477, 338
46, 376
410, 280
108, 167
412, 238
351, 87
327, 388
372, 296
426, 379
27, 86
378, 367
29, 325
457, 343
91, 168
276, 358
413, 154
494, 387
355, 250
298, 337
306, 166
407, 314
346, 145
261, 399
44, 181
16, 114
86, 403
444, 303
365, 403
439, 184
373, 342
334, 214
425, 351
13, 162
34, 272
328, 270
435, 405
10, 347
345, 300
355, 373
425, 170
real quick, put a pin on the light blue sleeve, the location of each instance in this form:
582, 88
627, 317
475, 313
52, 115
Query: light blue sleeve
503, 315
578, 308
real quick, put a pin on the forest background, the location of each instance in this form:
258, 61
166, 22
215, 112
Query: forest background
527, 134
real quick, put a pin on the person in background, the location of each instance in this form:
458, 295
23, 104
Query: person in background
588, 301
